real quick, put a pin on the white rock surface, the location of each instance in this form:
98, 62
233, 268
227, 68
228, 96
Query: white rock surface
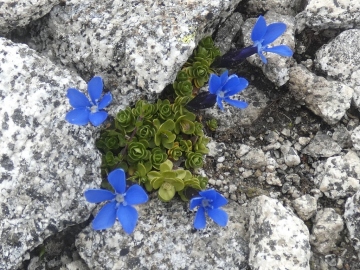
134, 45
285, 7
254, 159
324, 14
339, 177
278, 239
277, 68
352, 220
165, 239
341, 62
355, 138
18, 13
305, 206
45, 163
322, 145
326, 231
328, 99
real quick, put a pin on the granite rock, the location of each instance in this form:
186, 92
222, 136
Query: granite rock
305, 206
326, 231
339, 177
277, 67
254, 159
18, 13
341, 62
134, 45
355, 138
278, 239
325, 14
45, 163
351, 216
165, 239
285, 7
322, 145
328, 99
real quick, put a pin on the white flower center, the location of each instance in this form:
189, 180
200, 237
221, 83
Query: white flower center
206, 203
119, 198
94, 109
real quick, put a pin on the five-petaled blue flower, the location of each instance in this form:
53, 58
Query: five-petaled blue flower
120, 204
263, 35
85, 110
225, 86
209, 202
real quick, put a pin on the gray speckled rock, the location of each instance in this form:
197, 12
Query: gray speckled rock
18, 13
285, 7
326, 231
254, 159
326, 14
355, 138
322, 145
278, 238
352, 220
341, 62
277, 68
339, 176
165, 239
133, 45
328, 99
45, 163
232, 117
305, 206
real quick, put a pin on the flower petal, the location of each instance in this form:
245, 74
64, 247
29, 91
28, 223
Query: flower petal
98, 195
219, 103
117, 180
194, 202
209, 194
98, 118
78, 116
105, 101
224, 77
200, 219
127, 216
234, 85
214, 83
236, 103
77, 99
282, 50
95, 88
263, 58
106, 217
219, 201
259, 29
219, 216
136, 195
273, 31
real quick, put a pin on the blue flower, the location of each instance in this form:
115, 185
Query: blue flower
85, 110
225, 86
119, 205
209, 202
263, 35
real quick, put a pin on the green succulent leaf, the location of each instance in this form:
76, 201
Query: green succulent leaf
194, 160
183, 88
212, 124
185, 124
199, 129
144, 110
163, 135
137, 152
158, 156
201, 145
166, 166
175, 152
164, 109
182, 76
125, 120
166, 192
185, 145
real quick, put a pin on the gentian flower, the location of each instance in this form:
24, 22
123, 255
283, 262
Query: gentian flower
263, 35
86, 110
119, 205
225, 86
209, 203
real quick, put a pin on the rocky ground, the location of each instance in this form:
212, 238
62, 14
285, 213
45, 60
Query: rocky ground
289, 164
